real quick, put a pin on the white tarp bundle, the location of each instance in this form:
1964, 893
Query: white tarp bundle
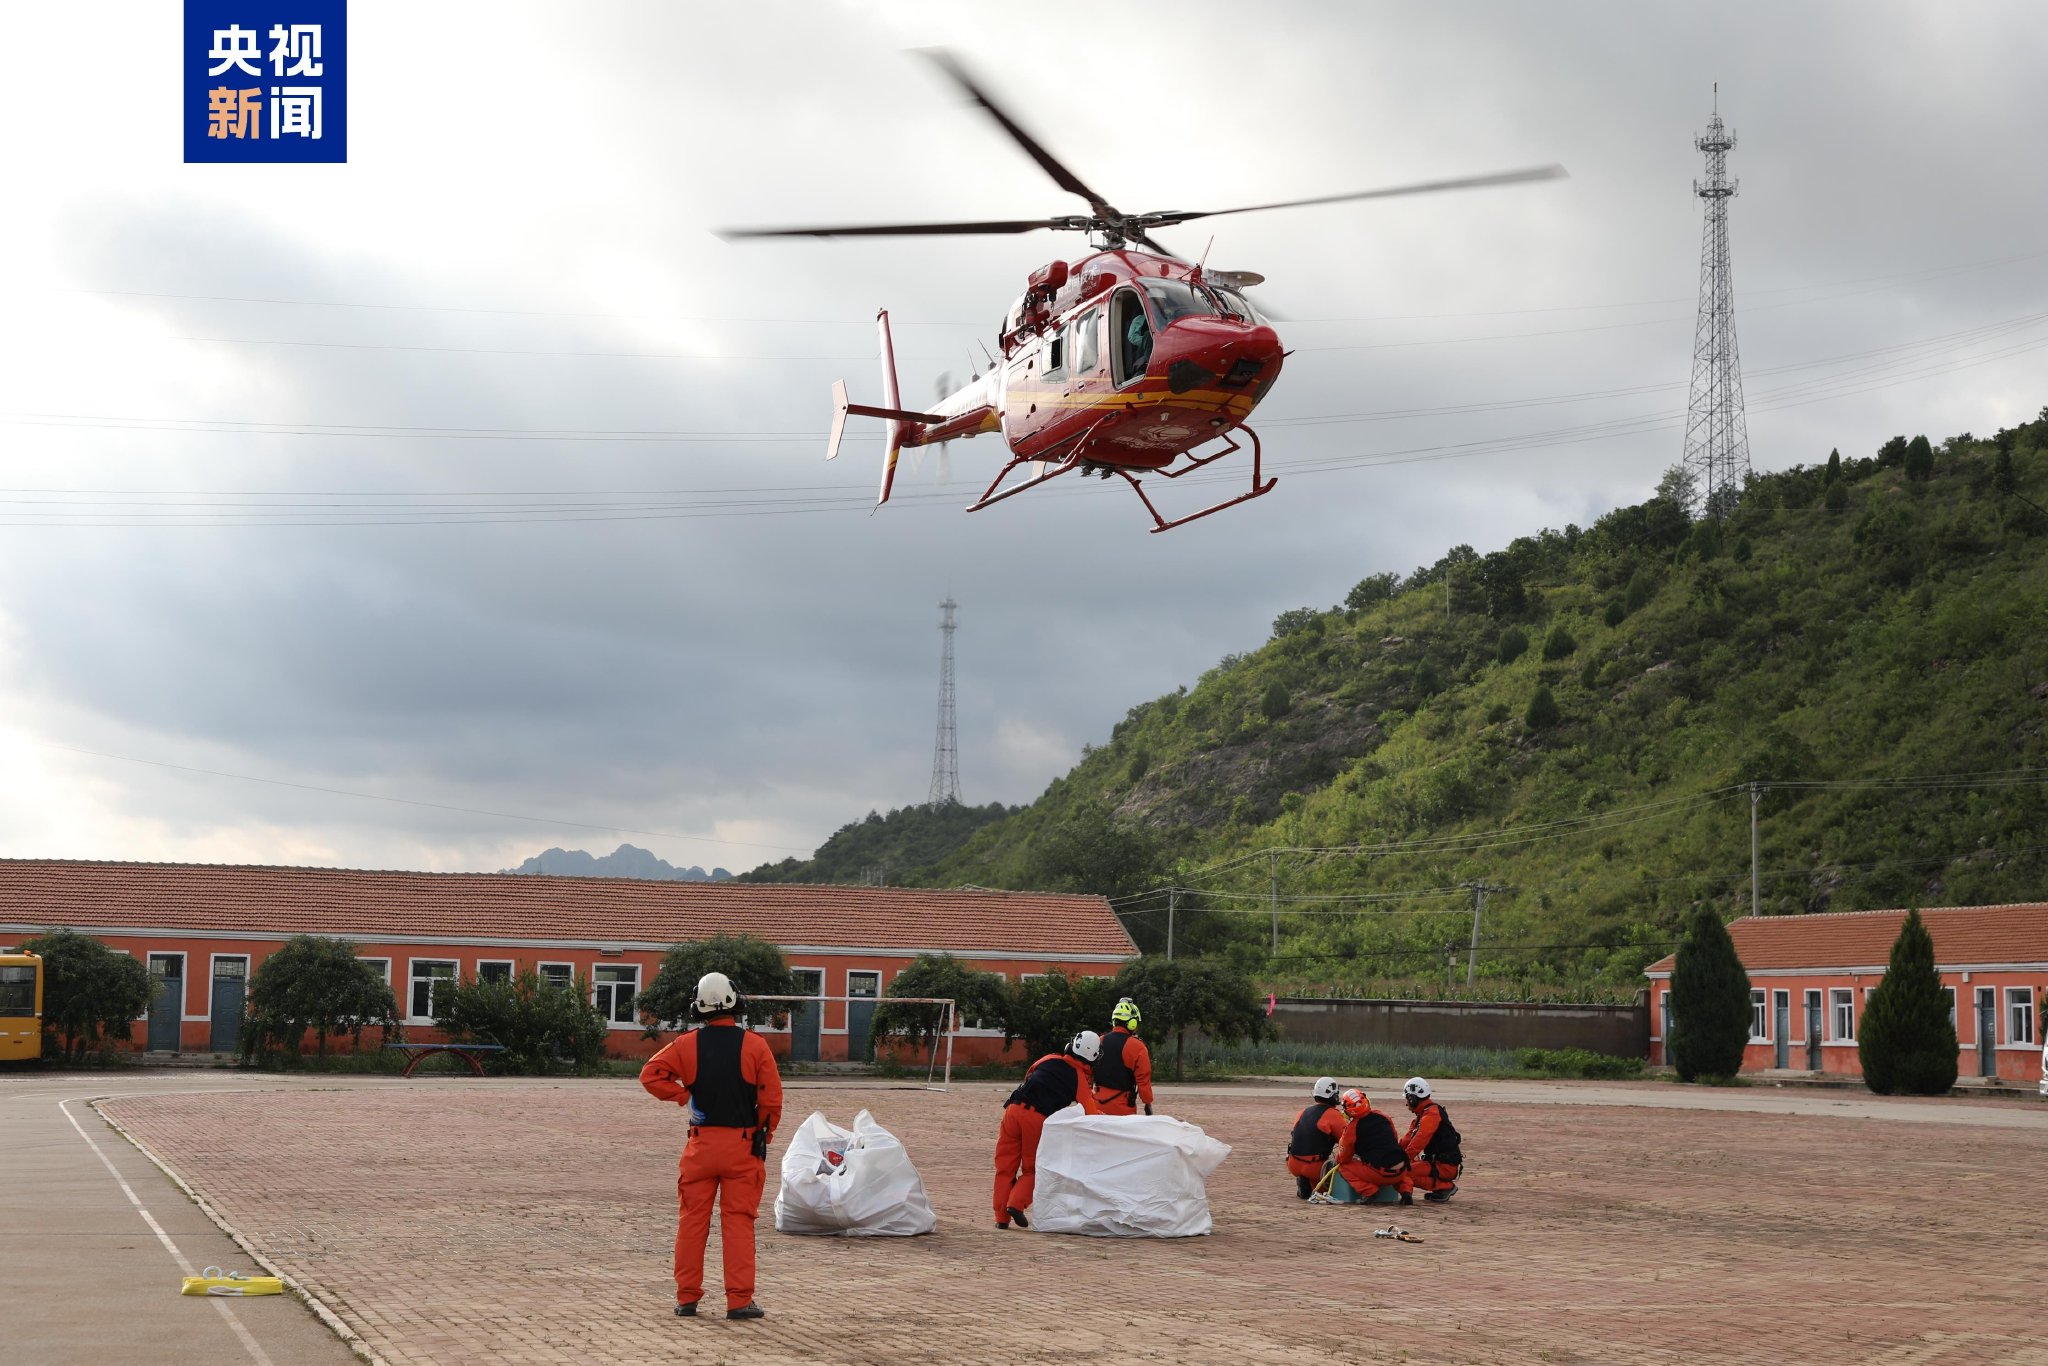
1124, 1176
858, 1182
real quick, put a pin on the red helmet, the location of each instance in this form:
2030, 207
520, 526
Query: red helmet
1353, 1103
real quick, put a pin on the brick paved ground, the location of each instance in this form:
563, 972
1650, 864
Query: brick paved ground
531, 1222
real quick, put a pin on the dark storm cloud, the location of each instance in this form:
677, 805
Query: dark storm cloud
780, 669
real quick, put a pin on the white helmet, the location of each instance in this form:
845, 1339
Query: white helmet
1416, 1089
1325, 1089
715, 995
1087, 1045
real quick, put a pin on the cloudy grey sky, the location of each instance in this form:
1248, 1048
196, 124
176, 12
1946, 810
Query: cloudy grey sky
477, 473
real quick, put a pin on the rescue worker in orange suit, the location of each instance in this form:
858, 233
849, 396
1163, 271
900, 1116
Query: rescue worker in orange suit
1368, 1156
1316, 1131
1054, 1082
1432, 1145
1123, 1074
727, 1078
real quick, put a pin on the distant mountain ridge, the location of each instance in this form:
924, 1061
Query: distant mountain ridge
625, 861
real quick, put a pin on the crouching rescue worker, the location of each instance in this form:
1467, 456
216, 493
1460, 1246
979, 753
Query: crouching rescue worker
1434, 1153
1368, 1156
1123, 1074
1054, 1082
1316, 1131
728, 1079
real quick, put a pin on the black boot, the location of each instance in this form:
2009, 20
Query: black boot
1017, 1217
1407, 1198
749, 1310
687, 1311
1303, 1188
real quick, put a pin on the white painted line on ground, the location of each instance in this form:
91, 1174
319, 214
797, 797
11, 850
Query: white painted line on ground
256, 1353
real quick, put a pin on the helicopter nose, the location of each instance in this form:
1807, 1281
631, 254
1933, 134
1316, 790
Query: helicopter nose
1220, 353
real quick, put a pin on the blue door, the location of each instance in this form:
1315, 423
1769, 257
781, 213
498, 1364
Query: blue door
863, 987
230, 987
166, 1001
804, 1027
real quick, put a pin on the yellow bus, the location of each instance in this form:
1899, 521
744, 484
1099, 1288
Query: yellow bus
21, 1006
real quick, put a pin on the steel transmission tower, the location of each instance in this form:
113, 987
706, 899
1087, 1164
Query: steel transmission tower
946, 750
1716, 437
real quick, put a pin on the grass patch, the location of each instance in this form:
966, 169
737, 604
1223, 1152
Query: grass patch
1286, 1058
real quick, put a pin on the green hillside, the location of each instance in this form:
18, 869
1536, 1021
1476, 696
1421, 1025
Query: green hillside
900, 847
1573, 720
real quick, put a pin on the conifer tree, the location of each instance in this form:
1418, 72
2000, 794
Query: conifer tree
1709, 1002
1907, 1042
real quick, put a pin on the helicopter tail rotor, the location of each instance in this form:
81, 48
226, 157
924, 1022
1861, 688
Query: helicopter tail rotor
895, 416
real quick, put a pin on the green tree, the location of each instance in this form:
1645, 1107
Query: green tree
1906, 1043
1834, 474
756, 967
1543, 712
1374, 588
1837, 497
1046, 1011
1296, 620
1514, 643
1919, 460
1615, 614
315, 984
91, 994
1090, 850
1276, 703
1559, 644
2003, 478
1710, 1014
1892, 452
1179, 994
539, 1026
978, 999
1638, 592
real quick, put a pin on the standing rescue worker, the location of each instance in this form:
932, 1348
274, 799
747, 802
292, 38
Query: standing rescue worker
1054, 1082
1316, 1131
727, 1077
1434, 1152
1123, 1074
1368, 1156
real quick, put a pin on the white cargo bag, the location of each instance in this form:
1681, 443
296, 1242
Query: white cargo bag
1124, 1176
856, 1182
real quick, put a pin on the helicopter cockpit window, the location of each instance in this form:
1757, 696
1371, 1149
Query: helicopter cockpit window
1176, 299
1081, 349
1130, 336
1054, 360
1236, 304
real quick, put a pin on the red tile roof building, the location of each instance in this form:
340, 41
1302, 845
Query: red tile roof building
206, 927
1810, 976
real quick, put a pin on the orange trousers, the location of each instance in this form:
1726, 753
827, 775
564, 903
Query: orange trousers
1122, 1104
1430, 1175
717, 1164
1366, 1181
1308, 1168
1017, 1159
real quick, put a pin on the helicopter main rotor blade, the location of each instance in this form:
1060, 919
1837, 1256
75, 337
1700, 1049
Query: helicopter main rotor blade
1551, 172
1010, 225
1064, 178
1152, 245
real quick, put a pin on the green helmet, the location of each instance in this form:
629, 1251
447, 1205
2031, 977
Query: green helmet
1125, 1014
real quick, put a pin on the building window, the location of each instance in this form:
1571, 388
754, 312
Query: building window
2019, 1014
493, 970
561, 976
1759, 1018
383, 966
1951, 1006
428, 976
613, 991
1842, 1005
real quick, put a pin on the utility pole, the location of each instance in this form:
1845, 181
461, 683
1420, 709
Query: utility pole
946, 749
1273, 864
1756, 796
1479, 891
1716, 434
1172, 900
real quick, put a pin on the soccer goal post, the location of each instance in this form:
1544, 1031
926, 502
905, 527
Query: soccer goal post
932, 1027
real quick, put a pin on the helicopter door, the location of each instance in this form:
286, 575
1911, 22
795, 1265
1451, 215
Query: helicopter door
1130, 337
1083, 352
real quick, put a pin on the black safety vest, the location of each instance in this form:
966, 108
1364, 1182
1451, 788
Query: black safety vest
1375, 1144
1050, 1086
1308, 1140
1110, 1072
720, 1098
1443, 1145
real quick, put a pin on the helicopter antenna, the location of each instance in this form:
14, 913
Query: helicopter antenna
984, 351
1205, 254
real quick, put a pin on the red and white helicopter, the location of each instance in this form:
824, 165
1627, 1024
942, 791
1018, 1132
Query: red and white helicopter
1121, 363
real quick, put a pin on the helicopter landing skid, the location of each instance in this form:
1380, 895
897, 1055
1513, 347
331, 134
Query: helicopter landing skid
1257, 490
989, 496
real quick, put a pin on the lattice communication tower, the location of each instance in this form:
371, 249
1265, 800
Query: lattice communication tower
946, 750
1716, 436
